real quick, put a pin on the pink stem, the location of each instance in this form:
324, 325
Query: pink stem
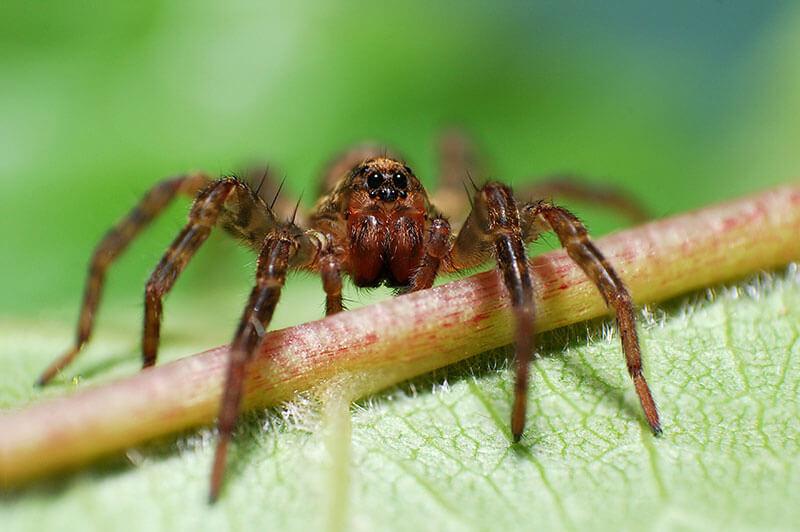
398, 339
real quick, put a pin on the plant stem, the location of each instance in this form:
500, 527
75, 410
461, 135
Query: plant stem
383, 344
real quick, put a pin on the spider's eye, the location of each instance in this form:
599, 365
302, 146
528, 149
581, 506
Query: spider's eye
374, 180
400, 181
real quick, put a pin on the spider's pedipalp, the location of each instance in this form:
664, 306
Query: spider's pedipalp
330, 269
436, 249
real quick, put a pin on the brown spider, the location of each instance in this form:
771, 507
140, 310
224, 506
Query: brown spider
375, 223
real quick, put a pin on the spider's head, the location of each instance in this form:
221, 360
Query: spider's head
385, 180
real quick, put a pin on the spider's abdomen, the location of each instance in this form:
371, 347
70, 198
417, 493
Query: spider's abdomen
385, 247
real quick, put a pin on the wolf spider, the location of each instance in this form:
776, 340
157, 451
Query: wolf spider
374, 222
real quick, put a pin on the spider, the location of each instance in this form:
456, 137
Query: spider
376, 223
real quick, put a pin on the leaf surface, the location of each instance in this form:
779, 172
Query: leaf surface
435, 454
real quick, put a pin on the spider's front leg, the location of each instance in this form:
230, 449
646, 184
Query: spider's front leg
282, 249
229, 203
542, 216
273, 263
493, 227
202, 218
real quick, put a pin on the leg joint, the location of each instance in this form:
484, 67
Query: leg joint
152, 291
209, 202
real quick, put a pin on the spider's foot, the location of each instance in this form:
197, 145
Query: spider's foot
517, 423
56, 367
218, 470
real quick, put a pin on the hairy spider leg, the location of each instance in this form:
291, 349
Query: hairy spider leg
115, 241
273, 263
234, 206
572, 234
459, 162
493, 227
202, 218
572, 188
229, 202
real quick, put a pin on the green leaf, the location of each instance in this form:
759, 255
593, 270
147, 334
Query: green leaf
435, 453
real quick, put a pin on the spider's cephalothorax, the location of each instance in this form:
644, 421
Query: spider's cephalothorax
375, 223
379, 212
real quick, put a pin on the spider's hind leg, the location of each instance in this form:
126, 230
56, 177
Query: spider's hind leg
572, 188
111, 247
458, 164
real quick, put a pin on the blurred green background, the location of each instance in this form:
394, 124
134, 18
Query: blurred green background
683, 103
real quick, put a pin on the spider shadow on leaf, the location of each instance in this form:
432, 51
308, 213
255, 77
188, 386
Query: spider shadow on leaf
104, 366
107, 364
555, 343
550, 345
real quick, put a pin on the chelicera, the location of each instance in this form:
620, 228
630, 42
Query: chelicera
376, 223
